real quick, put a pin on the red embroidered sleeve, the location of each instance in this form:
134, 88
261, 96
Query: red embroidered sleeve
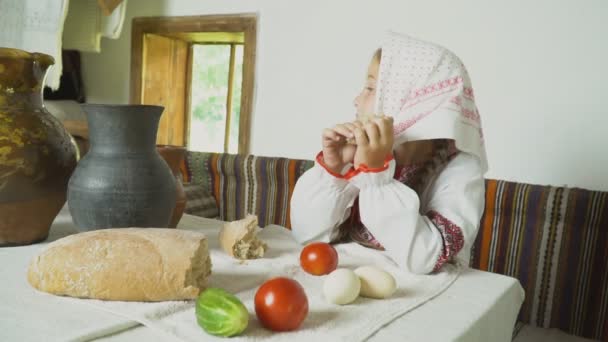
453, 240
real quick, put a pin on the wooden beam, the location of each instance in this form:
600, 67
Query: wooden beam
137, 62
205, 23
188, 97
208, 37
249, 54
229, 98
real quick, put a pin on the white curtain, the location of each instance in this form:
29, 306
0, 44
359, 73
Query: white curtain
34, 26
47, 26
85, 25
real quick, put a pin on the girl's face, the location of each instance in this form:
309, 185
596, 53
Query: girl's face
366, 100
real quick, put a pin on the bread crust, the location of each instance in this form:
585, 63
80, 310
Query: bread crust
127, 264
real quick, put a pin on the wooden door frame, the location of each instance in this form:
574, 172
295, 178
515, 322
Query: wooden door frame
246, 23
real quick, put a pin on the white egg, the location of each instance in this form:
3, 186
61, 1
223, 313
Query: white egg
375, 282
341, 286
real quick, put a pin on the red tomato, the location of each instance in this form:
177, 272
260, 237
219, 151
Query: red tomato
319, 258
281, 304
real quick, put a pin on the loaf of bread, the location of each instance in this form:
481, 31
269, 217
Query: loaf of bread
127, 264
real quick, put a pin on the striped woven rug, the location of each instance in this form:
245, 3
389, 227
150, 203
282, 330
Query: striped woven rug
247, 184
555, 241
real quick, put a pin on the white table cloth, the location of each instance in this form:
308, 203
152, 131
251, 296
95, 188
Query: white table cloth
469, 306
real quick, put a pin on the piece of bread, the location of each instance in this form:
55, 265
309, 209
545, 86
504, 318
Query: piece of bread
238, 238
127, 264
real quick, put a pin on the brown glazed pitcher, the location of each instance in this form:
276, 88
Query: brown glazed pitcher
174, 155
37, 155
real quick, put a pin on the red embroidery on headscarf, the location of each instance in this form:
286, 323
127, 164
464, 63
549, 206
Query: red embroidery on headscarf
410, 122
430, 89
468, 93
467, 113
453, 239
438, 94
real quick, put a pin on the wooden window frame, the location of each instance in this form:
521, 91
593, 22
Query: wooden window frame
169, 26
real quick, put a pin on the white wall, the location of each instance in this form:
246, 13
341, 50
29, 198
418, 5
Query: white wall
539, 69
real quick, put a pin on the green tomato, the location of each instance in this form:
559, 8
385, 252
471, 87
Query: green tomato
221, 313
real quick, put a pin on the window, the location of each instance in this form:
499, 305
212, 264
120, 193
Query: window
201, 70
215, 97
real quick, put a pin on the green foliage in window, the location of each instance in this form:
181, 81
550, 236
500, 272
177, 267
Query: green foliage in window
209, 96
210, 82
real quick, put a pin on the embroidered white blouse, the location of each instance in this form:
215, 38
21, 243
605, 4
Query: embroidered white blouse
419, 233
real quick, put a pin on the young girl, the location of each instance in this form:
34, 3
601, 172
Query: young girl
411, 184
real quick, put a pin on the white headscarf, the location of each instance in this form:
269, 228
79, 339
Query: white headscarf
427, 90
